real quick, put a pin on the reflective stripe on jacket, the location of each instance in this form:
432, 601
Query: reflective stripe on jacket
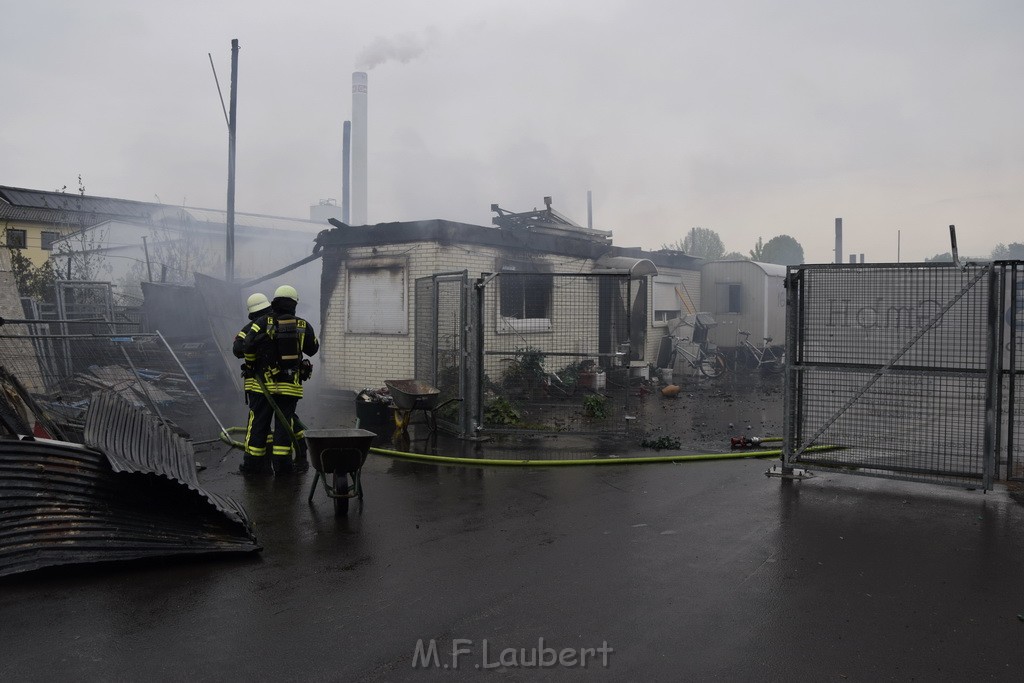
276, 384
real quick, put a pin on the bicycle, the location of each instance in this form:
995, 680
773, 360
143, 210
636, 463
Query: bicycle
757, 357
710, 363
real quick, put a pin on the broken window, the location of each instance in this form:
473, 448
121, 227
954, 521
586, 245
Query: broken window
525, 298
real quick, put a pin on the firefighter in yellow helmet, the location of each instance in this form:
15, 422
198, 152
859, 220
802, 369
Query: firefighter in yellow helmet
277, 342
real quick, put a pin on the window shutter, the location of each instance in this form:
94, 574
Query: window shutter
377, 301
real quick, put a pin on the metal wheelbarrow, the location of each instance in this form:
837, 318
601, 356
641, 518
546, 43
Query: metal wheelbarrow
339, 453
409, 395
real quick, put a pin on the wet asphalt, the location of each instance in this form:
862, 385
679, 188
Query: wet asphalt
697, 571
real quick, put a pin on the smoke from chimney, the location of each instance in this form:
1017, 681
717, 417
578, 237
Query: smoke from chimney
403, 48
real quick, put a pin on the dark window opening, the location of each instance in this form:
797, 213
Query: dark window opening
16, 239
525, 295
735, 300
47, 238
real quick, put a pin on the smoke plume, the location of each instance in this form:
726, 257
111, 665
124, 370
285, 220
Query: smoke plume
403, 48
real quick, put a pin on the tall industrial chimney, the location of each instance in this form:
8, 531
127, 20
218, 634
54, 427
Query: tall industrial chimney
358, 188
839, 241
346, 159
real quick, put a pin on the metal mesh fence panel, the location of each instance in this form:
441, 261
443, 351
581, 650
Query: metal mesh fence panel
1012, 371
552, 350
440, 342
890, 363
60, 364
450, 377
426, 335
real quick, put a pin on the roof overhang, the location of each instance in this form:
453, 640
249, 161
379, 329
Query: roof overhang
636, 267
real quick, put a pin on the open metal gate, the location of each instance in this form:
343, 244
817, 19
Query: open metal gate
912, 370
442, 356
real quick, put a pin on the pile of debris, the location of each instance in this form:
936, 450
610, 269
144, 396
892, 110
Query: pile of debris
128, 491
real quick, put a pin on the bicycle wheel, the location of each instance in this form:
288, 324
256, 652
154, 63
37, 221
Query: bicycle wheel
712, 365
776, 363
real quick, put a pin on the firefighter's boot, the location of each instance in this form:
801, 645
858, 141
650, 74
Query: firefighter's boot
301, 463
253, 465
283, 464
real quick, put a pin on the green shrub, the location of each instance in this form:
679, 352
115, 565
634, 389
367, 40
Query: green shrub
595, 406
500, 411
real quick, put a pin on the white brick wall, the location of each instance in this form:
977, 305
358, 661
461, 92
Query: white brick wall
356, 361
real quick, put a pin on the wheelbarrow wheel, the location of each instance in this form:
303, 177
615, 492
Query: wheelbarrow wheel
340, 484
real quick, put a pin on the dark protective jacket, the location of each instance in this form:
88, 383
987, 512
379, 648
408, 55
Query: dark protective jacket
277, 343
238, 349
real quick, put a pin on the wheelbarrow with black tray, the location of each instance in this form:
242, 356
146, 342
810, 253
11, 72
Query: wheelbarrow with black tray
337, 455
410, 395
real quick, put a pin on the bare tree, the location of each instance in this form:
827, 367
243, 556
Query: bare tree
757, 253
79, 255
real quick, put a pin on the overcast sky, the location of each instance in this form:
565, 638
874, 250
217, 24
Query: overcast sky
749, 117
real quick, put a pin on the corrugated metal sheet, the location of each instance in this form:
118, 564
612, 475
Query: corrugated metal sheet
134, 441
131, 493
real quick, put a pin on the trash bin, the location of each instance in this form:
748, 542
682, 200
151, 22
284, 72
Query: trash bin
373, 413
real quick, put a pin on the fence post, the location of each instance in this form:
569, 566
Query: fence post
789, 436
992, 380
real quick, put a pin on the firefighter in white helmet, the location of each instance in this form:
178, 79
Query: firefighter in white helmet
277, 342
257, 306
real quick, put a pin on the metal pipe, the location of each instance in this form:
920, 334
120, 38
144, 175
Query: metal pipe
35, 321
282, 271
229, 259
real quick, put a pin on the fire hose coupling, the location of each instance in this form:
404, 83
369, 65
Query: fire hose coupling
745, 441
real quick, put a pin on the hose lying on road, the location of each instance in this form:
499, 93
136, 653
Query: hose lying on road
645, 460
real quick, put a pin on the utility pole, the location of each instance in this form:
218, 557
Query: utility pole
149, 268
230, 249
